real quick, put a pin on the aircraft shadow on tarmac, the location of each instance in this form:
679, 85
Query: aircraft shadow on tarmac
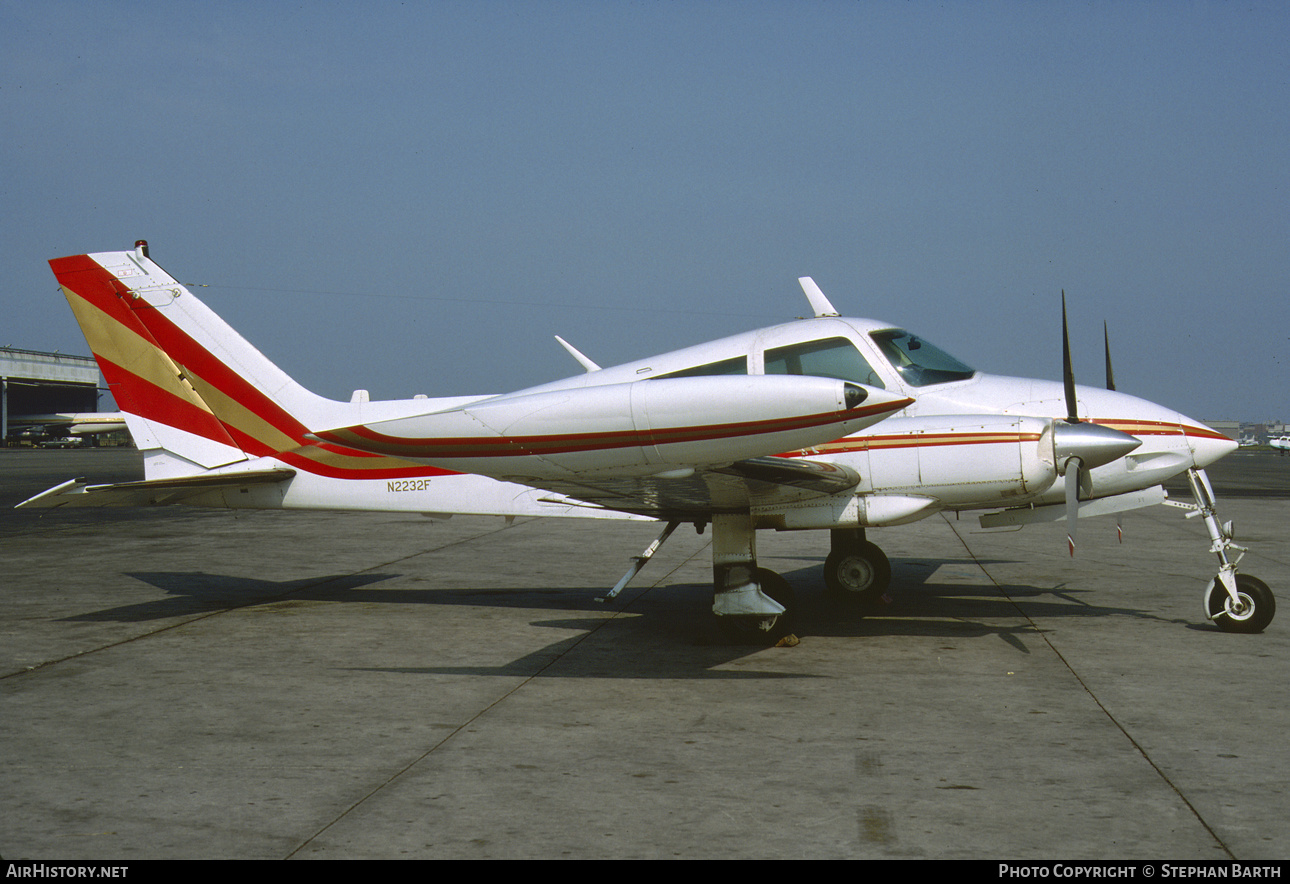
674, 619
198, 592
668, 617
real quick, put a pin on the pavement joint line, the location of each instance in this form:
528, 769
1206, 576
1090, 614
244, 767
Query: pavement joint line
398, 774
610, 615
250, 603
1043, 635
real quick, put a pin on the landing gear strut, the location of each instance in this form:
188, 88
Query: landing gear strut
856, 572
752, 604
1235, 602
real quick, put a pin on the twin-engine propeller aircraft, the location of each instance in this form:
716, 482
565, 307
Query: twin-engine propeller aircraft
771, 429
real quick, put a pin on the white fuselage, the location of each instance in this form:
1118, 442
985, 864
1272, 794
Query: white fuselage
969, 440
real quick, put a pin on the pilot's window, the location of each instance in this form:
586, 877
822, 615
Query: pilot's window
830, 358
738, 365
918, 362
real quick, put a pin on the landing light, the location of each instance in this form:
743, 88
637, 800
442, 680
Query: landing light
854, 395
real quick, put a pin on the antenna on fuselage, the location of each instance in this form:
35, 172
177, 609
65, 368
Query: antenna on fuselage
819, 303
1068, 374
578, 355
1110, 375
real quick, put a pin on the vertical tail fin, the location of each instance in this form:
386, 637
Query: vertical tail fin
169, 420
196, 395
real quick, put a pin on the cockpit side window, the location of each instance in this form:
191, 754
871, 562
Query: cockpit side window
918, 362
738, 365
829, 358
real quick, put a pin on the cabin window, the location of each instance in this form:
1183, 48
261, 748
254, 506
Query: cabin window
738, 365
830, 358
918, 362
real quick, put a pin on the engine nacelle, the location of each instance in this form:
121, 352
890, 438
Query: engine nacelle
638, 428
913, 466
960, 460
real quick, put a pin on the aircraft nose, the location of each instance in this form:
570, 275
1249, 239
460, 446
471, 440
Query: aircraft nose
1206, 445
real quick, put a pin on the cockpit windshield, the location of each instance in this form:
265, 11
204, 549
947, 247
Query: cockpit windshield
918, 362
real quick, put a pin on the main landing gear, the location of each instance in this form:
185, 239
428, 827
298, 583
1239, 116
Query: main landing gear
752, 604
1235, 602
857, 572
756, 605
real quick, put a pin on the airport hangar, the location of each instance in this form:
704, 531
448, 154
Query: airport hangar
32, 382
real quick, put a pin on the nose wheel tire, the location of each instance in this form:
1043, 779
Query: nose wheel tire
1252, 613
857, 576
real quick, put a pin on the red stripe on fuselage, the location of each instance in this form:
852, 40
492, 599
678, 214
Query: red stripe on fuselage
935, 440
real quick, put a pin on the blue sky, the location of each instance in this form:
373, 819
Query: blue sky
414, 197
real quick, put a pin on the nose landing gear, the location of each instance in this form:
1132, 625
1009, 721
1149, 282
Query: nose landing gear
1250, 611
1234, 602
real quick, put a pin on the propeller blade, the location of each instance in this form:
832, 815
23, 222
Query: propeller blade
1110, 375
1072, 500
1068, 374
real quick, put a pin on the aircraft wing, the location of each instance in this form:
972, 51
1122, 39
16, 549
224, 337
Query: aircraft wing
150, 492
75, 423
687, 494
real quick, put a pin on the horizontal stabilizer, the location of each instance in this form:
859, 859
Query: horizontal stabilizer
1056, 512
150, 492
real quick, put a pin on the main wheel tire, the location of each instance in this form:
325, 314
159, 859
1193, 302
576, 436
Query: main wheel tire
857, 576
764, 630
1255, 612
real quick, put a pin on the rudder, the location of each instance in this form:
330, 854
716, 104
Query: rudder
164, 412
